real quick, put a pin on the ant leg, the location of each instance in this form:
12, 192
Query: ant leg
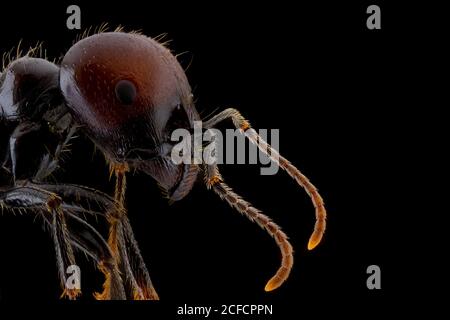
111, 211
214, 181
92, 243
114, 226
141, 284
84, 240
106, 207
68, 229
32, 198
21, 130
121, 235
124, 246
143, 281
242, 124
63, 247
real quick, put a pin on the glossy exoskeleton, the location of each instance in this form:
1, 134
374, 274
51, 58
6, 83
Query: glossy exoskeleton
127, 93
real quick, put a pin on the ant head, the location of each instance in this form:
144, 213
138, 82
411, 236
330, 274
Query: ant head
129, 93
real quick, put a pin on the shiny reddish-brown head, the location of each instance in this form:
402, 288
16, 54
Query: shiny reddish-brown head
129, 93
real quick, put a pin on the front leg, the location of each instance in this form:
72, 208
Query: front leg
68, 225
39, 200
125, 248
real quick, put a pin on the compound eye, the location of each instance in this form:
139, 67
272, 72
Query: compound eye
126, 92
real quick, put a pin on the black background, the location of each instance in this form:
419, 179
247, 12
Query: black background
337, 93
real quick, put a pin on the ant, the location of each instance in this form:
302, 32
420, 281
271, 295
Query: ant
126, 92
